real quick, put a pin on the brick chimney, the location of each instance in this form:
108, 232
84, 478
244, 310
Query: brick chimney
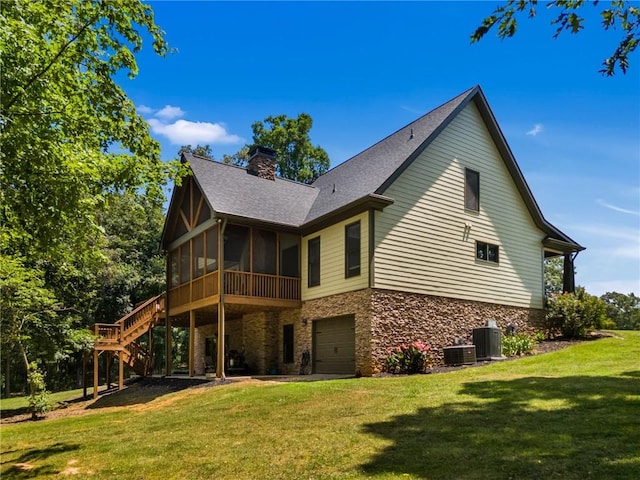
262, 162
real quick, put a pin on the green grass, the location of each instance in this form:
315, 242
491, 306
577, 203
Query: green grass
571, 414
18, 403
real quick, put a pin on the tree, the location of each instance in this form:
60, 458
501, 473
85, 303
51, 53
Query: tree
135, 267
619, 13
200, 150
71, 139
69, 133
297, 159
553, 275
239, 159
624, 310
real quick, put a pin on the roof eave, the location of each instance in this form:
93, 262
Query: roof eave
367, 202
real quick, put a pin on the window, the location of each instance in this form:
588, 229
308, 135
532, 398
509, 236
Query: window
185, 260
264, 251
287, 344
352, 250
173, 268
289, 255
198, 256
314, 262
472, 190
487, 252
212, 249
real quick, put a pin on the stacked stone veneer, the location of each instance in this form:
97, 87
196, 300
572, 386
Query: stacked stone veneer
383, 319
400, 317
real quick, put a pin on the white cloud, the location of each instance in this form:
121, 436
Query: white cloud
537, 128
183, 132
143, 109
169, 112
617, 209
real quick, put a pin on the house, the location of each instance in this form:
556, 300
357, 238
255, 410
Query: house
423, 236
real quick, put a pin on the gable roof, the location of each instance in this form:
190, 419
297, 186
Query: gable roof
233, 192
357, 183
368, 171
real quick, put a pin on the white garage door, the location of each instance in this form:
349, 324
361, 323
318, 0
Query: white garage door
334, 345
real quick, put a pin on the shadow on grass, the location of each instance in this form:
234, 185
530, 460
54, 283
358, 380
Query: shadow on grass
571, 428
147, 389
23, 466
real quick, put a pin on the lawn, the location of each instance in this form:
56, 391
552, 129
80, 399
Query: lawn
570, 414
21, 403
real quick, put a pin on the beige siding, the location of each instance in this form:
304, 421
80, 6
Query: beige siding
422, 244
332, 260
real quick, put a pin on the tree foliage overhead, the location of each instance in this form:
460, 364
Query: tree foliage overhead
200, 150
74, 151
297, 158
68, 131
619, 14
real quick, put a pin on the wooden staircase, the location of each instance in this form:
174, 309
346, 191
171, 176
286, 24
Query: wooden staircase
121, 337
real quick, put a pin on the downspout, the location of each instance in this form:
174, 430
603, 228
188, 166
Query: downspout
222, 224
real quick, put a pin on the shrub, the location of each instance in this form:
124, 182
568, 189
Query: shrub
39, 401
518, 344
408, 358
574, 314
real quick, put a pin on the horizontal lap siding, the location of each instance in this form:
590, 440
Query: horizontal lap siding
419, 240
332, 260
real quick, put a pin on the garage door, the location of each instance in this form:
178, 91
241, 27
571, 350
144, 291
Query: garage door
334, 346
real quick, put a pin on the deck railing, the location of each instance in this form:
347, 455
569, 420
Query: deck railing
244, 284
128, 326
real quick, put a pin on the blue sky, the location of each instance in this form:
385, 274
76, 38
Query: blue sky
364, 69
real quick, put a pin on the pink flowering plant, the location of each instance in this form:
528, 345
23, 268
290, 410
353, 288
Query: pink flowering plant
410, 358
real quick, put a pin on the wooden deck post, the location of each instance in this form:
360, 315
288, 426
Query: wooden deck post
120, 370
221, 285
192, 343
109, 361
84, 375
95, 373
168, 344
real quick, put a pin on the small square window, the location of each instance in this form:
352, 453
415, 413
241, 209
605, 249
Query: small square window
487, 252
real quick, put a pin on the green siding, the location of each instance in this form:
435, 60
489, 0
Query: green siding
421, 243
332, 260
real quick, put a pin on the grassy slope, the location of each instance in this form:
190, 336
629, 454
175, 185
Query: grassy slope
17, 403
571, 414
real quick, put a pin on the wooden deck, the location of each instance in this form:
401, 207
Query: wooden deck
239, 287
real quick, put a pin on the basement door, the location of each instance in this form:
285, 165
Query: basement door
334, 345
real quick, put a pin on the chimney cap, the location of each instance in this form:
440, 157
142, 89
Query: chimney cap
263, 151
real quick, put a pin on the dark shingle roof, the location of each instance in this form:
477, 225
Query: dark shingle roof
233, 191
368, 171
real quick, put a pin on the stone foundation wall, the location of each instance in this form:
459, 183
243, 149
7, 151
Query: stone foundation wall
260, 340
356, 303
400, 317
233, 329
301, 340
